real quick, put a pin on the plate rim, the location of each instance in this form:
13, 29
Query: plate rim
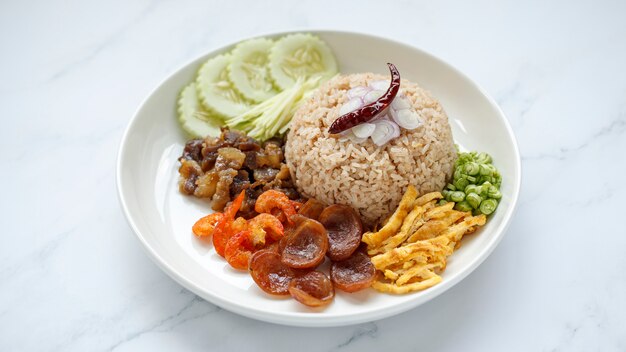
305, 319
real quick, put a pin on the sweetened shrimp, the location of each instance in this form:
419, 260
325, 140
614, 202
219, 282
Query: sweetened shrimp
270, 201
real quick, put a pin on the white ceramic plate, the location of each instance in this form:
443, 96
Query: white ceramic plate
162, 217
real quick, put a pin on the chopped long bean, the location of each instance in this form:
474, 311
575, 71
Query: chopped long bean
475, 184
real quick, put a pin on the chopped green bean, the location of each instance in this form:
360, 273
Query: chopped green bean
493, 192
457, 196
495, 195
475, 184
486, 170
484, 189
470, 179
488, 206
461, 183
471, 189
474, 200
483, 158
463, 206
472, 168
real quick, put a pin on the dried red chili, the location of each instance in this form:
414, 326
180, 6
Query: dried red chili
369, 111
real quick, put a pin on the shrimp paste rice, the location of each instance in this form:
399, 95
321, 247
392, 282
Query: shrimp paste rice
369, 178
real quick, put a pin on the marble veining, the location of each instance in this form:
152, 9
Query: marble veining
74, 278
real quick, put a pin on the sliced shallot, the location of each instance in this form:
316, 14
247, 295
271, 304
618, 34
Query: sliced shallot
400, 102
363, 130
406, 118
383, 116
348, 135
384, 132
379, 85
373, 95
368, 111
360, 91
351, 105
345, 135
356, 140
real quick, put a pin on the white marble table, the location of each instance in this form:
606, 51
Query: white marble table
73, 277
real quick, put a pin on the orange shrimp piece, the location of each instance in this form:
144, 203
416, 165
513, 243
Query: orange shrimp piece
265, 224
272, 200
224, 226
234, 207
221, 234
239, 225
206, 225
238, 250
278, 214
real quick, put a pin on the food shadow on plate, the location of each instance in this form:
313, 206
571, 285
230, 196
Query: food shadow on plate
229, 269
202, 245
257, 291
358, 297
294, 306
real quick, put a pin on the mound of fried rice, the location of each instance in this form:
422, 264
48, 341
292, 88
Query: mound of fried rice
369, 178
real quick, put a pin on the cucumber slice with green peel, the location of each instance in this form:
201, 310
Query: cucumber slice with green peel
249, 72
300, 56
215, 90
193, 118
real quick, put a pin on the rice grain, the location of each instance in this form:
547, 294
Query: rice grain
369, 178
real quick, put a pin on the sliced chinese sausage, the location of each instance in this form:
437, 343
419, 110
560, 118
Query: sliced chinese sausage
344, 229
270, 273
313, 289
273, 247
295, 221
354, 273
307, 246
290, 229
312, 209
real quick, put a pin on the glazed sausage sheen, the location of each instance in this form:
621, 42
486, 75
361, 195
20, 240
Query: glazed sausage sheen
344, 229
270, 273
312, 209
313, 289
353, 274
306, 247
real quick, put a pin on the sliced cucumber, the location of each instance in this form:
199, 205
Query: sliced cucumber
192, 116
300, 56
215, 90
249, 72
